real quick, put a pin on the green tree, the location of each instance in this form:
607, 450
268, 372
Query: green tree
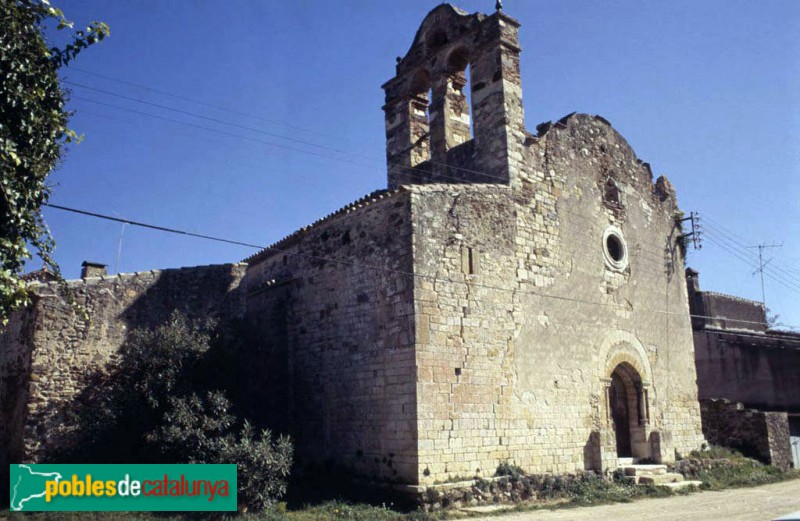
33, 133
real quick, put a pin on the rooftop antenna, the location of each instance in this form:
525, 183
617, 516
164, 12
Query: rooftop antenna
761, 265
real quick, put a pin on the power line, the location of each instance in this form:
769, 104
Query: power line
418, 173
761, 264
201, 103
280, 136
789, 282
377, 268
421, 175
749, 262
428, 175
208, 118
218, 131
732, 237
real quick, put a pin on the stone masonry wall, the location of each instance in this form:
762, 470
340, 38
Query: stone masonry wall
757, 434
522, 321
762, 371
49, 350
335, 301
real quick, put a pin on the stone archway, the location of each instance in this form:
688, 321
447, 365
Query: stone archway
626, 409
623, 418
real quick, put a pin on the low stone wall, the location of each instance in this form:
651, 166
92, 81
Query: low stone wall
501, 490
757, 434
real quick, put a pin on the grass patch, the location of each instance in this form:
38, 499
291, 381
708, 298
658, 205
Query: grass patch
717, 452
330, 511
746, 474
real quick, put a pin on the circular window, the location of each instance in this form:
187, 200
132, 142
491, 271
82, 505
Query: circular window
614, 249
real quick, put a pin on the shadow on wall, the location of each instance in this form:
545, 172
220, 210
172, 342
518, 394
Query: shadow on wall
69, 354
97, 423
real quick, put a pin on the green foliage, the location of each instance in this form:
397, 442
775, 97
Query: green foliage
33, 131
746, 473
198, 430
264, 464
509, 469
717, 452
165, 402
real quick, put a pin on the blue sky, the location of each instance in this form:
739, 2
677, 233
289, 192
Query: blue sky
707, 92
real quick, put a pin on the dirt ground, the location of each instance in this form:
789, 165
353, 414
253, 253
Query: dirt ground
741, 504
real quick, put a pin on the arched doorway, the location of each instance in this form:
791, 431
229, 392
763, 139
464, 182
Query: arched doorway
627, 409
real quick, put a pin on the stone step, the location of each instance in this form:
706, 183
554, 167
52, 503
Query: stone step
624, 462
644, 470
661, 479
678, 485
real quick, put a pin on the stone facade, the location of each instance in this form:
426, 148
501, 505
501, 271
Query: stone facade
510, 297
541, 280
337, 300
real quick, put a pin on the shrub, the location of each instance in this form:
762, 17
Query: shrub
165, 402
264, 464
509, 469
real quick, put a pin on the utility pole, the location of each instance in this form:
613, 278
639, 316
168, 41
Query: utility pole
696, 235
761, 265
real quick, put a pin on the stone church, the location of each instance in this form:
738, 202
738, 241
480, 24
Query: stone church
511, 296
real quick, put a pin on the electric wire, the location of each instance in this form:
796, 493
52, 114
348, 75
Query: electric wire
202, 103
781, 279
730, 236
774, 276
359, 265
418, 173
734, 253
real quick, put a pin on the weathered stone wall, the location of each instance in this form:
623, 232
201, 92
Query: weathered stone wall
720, 311
49, 350
762, 371
737, 357
757, 434
336, 300
15, 367
515, 351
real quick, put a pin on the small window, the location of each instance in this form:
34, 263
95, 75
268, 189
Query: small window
470, 261
615, 250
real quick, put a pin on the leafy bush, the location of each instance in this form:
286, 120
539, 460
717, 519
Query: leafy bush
264, 464
717, 452
166, 402
509, 469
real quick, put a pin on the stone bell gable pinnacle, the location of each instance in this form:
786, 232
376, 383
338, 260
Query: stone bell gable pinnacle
428, 134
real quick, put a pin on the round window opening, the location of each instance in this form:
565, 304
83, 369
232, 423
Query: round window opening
615, 250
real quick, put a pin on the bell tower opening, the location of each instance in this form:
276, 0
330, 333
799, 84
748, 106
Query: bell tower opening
454, 108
